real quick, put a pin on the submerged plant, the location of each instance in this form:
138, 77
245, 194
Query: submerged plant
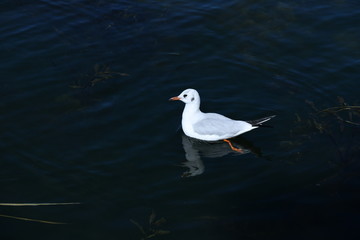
153, 228
100, 73
345, 113
347, 120
341, 124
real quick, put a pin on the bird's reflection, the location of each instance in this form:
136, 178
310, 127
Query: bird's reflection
195, 148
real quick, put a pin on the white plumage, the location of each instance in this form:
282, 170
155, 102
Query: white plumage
210, 126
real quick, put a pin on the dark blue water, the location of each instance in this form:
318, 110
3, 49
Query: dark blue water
85, 118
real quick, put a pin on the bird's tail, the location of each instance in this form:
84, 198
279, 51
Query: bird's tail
259, 122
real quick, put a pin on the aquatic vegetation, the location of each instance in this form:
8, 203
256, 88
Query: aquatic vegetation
153, 229
99, 74
34, 205
337, 127
89, 89
341, 124
344, 113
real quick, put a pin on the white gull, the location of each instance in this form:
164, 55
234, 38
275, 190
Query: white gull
211, 126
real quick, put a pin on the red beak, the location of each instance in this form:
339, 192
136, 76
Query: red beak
174, 99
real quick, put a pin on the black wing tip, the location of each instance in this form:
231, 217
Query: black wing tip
259, 122
270, 117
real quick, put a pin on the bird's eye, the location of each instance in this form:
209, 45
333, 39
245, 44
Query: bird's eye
185, 95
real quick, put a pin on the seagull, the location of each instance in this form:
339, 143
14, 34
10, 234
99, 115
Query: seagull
211, 126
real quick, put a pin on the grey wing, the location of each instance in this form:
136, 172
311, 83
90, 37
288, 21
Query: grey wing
220, 127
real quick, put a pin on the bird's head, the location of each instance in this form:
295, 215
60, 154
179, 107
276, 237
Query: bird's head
187, 96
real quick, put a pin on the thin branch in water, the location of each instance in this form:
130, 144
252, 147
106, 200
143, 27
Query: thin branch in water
37, 204
31, 219
350, 109
338, 109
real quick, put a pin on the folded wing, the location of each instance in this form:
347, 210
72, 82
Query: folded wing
223, 128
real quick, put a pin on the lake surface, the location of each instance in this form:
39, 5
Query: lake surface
85, 118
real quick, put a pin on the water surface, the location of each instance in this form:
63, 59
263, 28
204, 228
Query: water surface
85, 118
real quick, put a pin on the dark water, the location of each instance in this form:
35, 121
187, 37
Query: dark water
85, 118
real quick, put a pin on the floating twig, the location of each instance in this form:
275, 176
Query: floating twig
31, 219
34, 205
37, 204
